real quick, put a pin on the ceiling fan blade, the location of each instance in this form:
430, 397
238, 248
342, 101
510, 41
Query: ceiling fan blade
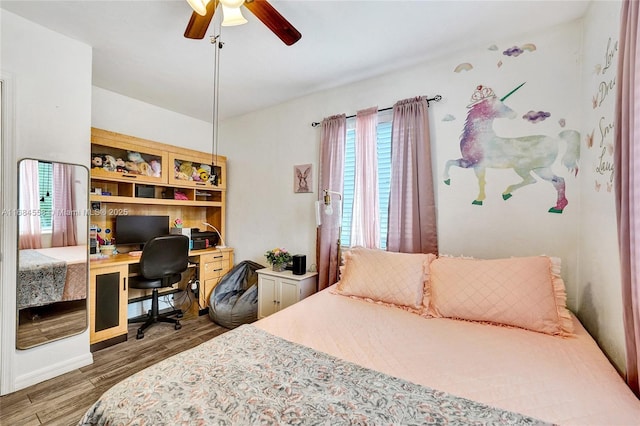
274, 21
198, 25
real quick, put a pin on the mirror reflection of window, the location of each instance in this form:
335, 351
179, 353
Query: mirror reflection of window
30, 230
48, 205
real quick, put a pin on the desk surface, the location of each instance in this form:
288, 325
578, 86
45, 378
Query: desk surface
125, 259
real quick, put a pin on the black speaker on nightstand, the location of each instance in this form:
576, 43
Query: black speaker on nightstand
299, 264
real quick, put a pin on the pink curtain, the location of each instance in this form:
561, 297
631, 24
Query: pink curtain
332, 140
365, 227
63, 221
412, 211
627, 183
29, 205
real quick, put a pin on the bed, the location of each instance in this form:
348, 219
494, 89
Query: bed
50, 275
344, 356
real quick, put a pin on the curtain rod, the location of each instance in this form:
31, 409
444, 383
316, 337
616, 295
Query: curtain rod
436, 98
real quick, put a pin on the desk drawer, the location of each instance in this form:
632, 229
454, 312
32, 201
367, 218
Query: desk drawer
215, 269
214, 265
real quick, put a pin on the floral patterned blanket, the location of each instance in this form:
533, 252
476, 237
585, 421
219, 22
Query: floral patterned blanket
41, 279
248, 376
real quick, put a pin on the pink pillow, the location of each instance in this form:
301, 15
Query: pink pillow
393, 278
525, 292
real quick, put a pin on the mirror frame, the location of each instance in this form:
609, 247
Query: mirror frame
81, 211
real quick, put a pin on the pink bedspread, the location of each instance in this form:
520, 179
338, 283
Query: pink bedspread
560, 380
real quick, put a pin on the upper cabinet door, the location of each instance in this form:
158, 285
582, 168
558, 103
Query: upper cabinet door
128, 162
197, 171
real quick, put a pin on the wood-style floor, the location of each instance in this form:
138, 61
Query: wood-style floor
64, 399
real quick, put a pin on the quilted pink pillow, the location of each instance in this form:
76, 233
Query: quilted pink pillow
382, 276
525, 292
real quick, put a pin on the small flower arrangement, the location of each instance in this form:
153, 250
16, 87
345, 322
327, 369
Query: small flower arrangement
278, 257
178, 223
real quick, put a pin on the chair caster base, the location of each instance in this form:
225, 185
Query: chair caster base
139, 335
178, 326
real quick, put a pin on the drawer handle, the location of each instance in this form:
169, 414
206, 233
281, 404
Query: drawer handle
129, 176
218, 270
217, 257
124, 283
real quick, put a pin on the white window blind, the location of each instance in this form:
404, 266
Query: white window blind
45, 179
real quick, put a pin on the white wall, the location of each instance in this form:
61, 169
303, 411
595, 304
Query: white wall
600, 298
263, 147
50, 76
121, 114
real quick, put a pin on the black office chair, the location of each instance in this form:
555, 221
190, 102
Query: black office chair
162, 262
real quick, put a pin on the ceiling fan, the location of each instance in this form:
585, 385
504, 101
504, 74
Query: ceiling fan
204, 10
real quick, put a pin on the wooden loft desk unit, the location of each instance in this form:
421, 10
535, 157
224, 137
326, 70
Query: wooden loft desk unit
156, 179
109, 292
134, 176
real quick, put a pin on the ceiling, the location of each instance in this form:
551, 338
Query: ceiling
139, 49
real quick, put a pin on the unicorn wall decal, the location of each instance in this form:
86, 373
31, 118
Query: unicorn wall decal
481, 148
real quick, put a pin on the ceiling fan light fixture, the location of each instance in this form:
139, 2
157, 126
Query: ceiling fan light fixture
199, 6
232, 15
232, 4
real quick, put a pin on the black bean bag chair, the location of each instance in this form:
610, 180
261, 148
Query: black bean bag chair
234, 301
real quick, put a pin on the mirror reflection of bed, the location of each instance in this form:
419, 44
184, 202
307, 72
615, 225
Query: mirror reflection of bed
52, 276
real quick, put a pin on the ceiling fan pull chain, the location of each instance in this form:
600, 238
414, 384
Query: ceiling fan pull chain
215, 38
217, 45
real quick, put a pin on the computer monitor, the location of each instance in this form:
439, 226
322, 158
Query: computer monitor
137, 230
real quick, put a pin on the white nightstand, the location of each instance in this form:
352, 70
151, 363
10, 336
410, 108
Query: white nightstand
277, 290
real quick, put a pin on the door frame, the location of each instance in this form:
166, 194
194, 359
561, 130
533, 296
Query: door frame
8, 237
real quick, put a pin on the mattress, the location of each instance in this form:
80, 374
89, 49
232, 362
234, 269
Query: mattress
248, 376
563, 380
51, 275
332, 359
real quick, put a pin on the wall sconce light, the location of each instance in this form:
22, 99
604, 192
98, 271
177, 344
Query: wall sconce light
328, 209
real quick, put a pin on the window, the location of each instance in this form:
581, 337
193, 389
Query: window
384, 176
45, 178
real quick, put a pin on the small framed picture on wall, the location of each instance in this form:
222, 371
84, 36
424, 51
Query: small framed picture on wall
302, 175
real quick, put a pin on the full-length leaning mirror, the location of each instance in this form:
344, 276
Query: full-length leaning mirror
53, 261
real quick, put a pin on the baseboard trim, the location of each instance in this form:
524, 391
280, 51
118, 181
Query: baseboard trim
109, 342
51, 371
